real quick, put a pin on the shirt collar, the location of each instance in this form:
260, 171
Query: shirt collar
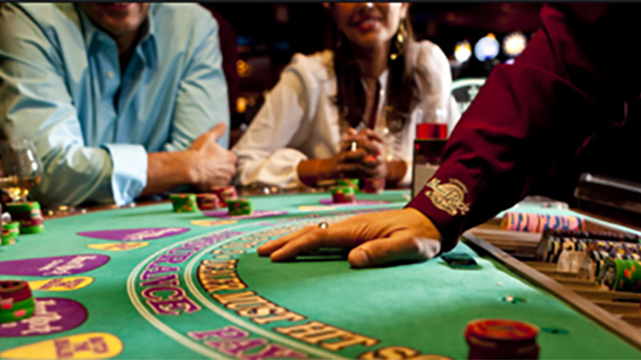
146, 47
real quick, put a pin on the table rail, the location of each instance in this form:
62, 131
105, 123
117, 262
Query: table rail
624, 330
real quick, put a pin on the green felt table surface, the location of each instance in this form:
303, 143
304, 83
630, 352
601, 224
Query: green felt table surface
416, 310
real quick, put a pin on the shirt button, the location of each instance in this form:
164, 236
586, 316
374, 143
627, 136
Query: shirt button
110, 74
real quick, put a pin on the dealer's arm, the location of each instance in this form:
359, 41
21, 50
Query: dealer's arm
551, 96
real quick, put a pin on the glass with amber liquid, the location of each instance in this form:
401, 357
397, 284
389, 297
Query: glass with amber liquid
20, 170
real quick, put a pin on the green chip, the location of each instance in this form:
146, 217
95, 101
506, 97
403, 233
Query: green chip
238, 207
12, 228
13, 316
184, 202
11, 225
343, 190
8, 239
32, 229
18, 305
353, 183
22, 207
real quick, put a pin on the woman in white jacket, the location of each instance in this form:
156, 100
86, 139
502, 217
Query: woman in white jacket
373, 87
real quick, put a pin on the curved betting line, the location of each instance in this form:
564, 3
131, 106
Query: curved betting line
247, 325
131, 281
131, 291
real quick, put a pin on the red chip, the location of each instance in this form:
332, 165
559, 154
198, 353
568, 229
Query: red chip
501, 330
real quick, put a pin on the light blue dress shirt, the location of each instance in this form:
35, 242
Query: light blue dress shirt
59, 75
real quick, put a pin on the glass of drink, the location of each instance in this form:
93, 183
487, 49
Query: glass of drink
20, 170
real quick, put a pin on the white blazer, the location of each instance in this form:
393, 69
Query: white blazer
299, 120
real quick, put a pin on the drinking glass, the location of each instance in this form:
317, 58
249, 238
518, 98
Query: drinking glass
20, 169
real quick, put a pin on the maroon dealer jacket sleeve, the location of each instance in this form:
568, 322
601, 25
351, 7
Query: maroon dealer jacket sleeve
529, 119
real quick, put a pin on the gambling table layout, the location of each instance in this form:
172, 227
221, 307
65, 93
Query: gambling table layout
146, 282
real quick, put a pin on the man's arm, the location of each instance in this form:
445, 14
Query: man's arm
35, 104
202, 110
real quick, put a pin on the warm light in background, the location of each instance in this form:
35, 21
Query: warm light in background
241, 104
463, 51
243, 68
487, 48
514, 44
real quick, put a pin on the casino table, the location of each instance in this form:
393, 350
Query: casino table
145, 282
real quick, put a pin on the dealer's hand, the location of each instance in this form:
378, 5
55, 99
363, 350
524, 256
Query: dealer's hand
376, 238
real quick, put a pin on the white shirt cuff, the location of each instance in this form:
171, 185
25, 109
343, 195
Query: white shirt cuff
129, 176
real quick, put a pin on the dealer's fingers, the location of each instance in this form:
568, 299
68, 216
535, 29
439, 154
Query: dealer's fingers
269, 247
401, 246
335, 236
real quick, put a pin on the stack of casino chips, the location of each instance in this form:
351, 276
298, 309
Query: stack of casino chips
624, 237
353, 183
599, 246
10, 232
240, 207
184, 202
605, 245
16, 301
621, 275
553, 242
343, 195
225, 193
374, 185
208, 201
501, 339
28, 215
528, 222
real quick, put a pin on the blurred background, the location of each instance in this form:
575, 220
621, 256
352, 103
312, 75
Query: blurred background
259, 40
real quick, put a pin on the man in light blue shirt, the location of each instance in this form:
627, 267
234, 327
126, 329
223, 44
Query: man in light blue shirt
121, 99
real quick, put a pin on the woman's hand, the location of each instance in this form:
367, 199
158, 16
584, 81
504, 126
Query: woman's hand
363, 161
376, 239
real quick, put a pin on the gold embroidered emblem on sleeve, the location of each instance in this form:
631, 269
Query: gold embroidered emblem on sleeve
448, 197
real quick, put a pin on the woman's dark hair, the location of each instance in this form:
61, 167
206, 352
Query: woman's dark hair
402, 89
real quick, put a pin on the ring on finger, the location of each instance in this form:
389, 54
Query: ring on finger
323, 224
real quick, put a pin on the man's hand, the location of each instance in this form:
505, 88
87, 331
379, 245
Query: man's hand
377, 239
213, 165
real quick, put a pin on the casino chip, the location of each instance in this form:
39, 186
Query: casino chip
208, 201
343, 195
501, 339
184, 202
225, 193
16, 301
240, 207
28, 215
353, 183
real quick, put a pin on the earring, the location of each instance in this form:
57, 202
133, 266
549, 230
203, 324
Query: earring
399, 41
